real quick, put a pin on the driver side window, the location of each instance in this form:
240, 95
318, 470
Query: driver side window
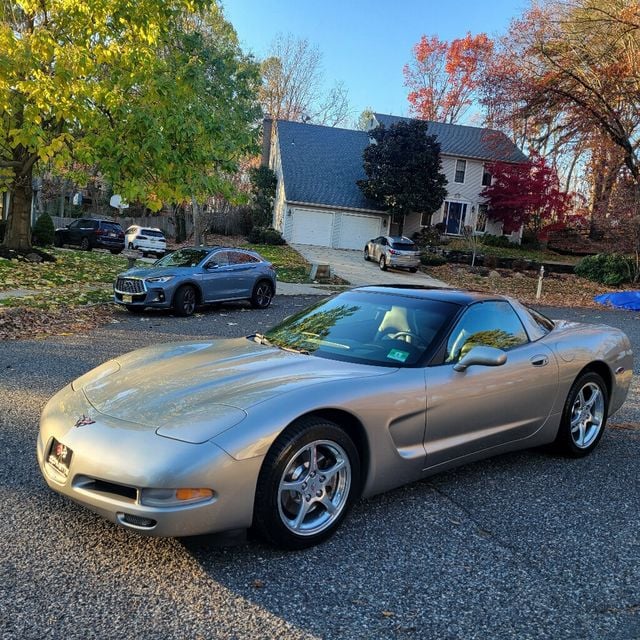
489, 324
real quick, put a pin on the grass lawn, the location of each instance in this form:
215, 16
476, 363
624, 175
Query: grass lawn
76, 278
290, 265
515, 252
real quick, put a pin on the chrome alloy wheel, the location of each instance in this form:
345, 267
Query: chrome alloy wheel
314, 487
587, 415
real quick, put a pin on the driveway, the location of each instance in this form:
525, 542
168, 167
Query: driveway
527, 545
351, 266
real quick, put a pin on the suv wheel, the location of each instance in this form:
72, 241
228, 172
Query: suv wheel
85, 244
383, 263
184, 302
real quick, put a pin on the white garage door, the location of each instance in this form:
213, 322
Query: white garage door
312, 227
355, 231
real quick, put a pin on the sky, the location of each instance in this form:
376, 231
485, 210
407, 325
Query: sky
365, 45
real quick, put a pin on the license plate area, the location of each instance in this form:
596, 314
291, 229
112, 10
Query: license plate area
60, 457
126, 298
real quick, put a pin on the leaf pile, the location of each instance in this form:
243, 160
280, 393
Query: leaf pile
20, 323
558, 290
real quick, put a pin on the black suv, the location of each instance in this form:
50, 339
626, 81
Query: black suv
88, 233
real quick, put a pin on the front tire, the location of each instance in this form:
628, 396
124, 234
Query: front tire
584, 416
184, 301
309, 480
85, 244
383, 263
262, 295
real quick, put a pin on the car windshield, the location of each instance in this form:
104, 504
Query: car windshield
183, 258
366, 327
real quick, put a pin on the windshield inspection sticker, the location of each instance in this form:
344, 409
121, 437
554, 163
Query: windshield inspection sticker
396, 354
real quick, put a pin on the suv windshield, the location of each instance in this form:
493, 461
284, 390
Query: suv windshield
183, 258
369, 328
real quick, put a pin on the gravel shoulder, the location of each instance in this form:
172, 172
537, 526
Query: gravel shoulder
523, 546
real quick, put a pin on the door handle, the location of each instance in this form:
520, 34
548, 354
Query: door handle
539, 361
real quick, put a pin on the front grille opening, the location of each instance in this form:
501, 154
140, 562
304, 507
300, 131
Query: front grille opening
129, 285
138, 521
106, 488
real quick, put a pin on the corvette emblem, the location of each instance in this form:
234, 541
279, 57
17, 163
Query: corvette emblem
83, 421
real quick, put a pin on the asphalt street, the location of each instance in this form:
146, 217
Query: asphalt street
527, 545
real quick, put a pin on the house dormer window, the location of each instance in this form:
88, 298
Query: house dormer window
461, 167
486, 177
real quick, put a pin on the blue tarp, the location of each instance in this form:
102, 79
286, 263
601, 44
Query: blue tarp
621, 300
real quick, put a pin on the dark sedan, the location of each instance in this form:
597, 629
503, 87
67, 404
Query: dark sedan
198, 275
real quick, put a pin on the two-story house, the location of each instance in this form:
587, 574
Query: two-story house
319, 202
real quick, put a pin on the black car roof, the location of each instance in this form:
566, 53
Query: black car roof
457, 296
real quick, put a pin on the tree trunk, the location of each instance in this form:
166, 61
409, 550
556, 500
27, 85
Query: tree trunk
18, 232
197, 240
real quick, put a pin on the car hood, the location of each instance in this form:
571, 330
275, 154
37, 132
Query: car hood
150, 272
195, 391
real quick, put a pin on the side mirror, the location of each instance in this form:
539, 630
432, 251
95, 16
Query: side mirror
484, 356
211, 265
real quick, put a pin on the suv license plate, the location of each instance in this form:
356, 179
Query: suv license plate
126, 298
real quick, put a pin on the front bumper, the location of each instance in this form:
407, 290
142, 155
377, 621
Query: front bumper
156, 297
113, 461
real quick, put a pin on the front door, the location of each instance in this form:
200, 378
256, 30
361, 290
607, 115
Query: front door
455, 213
482, 407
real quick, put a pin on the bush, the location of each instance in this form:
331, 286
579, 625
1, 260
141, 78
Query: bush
432, 259
43, 231
427, 237
606, 268
497, 241
262, 235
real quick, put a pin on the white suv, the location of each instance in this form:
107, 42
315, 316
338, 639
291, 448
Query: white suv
146, 239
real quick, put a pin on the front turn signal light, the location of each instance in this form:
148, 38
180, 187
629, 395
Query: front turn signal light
193, 494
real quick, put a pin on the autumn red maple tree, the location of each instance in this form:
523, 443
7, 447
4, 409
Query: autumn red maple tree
443, 77
525, 194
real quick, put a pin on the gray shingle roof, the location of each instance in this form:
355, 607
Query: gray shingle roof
321, 165
466, 142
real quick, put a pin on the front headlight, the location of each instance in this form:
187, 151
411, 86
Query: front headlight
160, 279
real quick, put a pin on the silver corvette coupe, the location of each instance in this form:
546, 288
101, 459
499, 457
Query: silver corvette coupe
282, 432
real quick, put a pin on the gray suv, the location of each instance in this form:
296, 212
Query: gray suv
393, 251
198, 275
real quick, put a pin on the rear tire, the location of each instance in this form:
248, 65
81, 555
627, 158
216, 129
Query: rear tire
57, 240
309, 480
116, 252
584, 416
262, 295
184, 301
383, 263
413, 270
366, 254
85, 244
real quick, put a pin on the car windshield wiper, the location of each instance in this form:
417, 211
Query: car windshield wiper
261, 339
